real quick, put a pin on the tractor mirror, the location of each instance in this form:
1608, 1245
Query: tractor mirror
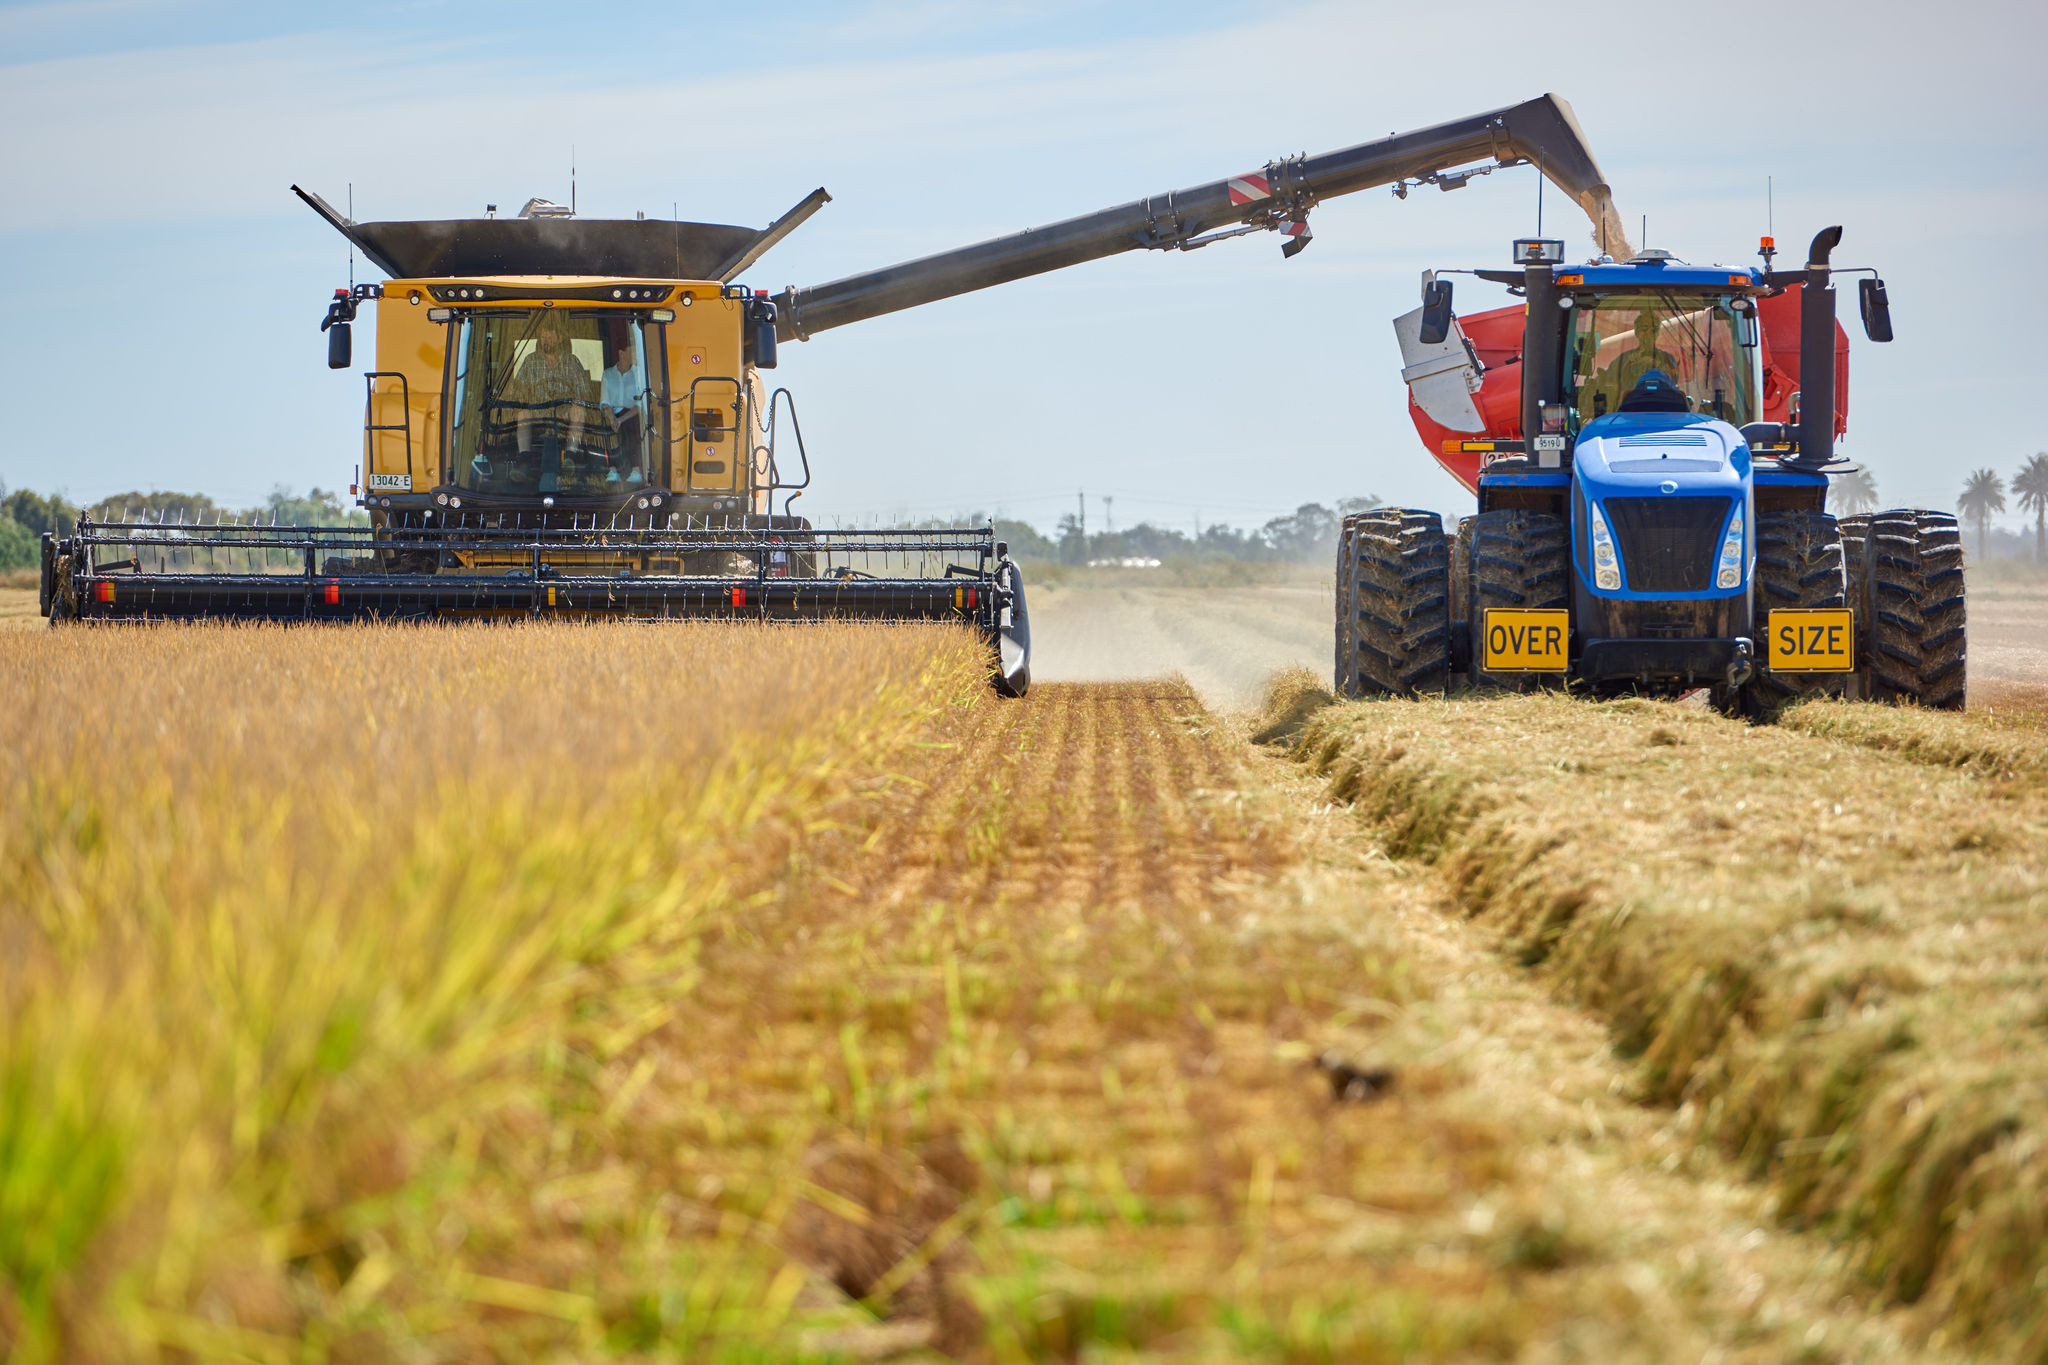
1877, 309
764, 345
1436, 312
338, 346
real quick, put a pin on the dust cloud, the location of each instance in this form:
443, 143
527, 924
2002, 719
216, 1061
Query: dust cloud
1225, 641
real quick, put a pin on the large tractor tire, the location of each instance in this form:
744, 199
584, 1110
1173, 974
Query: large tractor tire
1855, 530
1461, 602
1917, 642
1518, 559
1798, 565
1397, 605
1346, 610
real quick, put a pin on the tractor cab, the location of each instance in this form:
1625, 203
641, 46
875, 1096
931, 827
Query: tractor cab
1655, 344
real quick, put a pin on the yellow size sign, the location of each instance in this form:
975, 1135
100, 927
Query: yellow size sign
1814, 640
1515, 641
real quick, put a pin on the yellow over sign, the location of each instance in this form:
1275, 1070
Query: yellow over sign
1811, 640
1516, 641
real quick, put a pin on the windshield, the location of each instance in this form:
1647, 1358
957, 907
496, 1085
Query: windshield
549, 401
1614, 340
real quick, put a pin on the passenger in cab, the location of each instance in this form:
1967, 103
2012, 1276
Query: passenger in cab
625, 387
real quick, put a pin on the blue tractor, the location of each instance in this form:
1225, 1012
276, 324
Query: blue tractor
1640, 528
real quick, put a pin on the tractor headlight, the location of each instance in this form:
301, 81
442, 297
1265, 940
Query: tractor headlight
441, 499
1728, 573
455, 503
1606, 568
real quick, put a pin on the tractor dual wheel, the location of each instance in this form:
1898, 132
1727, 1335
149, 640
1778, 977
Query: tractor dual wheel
1855, 530
1340, 677
1462, 634
1798, 566
1914, 589
1393, 585
1519, 559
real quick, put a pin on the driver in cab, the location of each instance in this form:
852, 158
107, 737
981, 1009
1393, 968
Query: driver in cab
550, 379
1621, 377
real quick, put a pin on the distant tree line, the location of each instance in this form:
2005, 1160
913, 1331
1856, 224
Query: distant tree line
1307, 535
1984, 494
26, 515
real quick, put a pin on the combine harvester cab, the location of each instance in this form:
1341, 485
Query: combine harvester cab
1652, 485
569, 419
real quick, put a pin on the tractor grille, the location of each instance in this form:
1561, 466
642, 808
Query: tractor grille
1667, 544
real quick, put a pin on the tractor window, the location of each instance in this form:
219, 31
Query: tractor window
1616, 339
559, 403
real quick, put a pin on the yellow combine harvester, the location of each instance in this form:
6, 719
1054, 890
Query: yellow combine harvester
566, 417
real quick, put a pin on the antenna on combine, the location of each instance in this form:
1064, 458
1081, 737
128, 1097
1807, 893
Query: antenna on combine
351, 241
1539, 191
572, 180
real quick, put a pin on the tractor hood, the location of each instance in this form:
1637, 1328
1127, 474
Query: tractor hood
1668, 485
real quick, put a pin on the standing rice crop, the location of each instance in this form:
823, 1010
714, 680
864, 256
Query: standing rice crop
293, 921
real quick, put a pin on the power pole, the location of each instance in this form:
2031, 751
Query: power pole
1108, 519
1081, 519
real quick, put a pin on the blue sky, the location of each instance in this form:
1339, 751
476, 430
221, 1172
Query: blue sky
161, 288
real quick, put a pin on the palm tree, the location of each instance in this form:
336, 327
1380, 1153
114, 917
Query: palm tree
2031, 483
1982, 495
1855, 491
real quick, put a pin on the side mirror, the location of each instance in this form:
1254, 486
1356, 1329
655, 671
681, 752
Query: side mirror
338, 346
760, 335
1877, 309
1746, 324
1436, 312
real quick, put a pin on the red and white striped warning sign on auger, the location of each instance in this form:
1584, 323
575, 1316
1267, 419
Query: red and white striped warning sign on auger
1245, 188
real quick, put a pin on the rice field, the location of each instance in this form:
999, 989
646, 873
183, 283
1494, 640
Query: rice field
739, 993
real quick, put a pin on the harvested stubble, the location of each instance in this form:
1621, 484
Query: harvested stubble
1827, 940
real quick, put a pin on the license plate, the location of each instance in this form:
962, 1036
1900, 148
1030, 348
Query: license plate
1811, 640
1516, 641
391, 483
